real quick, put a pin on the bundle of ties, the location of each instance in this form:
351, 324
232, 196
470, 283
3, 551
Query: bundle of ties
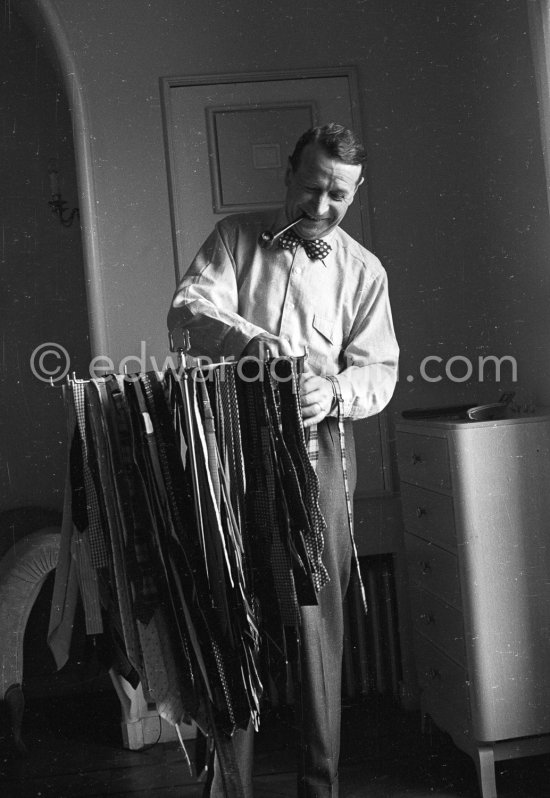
192, 533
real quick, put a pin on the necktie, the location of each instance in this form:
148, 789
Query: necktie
316, 249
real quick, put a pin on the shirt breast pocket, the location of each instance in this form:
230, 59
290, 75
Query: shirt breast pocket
326, 328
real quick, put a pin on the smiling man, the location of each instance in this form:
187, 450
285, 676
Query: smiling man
320, 187
313, 287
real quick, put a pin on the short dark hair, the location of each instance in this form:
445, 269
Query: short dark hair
336, 140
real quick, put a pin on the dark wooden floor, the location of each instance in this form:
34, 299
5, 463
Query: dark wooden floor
75, 750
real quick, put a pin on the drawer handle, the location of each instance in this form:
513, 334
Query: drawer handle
425, 567
420, 511
427, 617
416, 458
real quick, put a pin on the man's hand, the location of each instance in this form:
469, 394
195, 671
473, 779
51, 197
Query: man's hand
317, 397
267, 346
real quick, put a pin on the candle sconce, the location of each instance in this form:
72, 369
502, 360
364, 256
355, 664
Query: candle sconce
57, 203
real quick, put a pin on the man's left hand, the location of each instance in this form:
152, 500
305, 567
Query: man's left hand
316, 396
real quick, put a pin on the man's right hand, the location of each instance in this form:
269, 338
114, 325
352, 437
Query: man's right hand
265, 347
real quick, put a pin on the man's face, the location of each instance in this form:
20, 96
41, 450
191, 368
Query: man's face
322, 188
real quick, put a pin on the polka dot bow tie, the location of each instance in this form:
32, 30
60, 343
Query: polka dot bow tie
316, 249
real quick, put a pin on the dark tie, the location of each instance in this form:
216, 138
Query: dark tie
316, 249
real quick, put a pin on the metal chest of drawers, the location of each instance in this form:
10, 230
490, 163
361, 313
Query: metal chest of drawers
476, 507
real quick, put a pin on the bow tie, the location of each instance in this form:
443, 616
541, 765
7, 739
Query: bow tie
316, 249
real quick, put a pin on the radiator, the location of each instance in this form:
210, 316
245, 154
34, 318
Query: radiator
372, 658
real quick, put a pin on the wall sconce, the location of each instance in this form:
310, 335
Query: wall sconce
57, 203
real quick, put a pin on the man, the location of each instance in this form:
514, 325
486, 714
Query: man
239, 298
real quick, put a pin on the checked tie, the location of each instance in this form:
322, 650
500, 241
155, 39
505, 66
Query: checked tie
316, 249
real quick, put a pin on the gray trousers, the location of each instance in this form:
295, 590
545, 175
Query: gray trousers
322, 629
318, 710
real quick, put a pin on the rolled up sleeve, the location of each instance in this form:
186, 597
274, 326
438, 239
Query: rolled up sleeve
206, 304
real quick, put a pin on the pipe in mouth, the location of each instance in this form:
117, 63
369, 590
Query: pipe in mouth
267, 238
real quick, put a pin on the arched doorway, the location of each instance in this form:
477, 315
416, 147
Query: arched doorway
43, 292
43, 297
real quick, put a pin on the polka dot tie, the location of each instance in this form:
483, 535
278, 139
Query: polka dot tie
316, 249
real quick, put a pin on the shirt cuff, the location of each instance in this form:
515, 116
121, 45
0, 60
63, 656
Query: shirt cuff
333, 411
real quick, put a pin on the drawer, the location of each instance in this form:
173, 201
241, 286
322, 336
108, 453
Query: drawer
433, 569
444, 688
428, 514
439, 623
423, 460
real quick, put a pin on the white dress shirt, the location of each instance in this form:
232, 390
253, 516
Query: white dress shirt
338, 308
